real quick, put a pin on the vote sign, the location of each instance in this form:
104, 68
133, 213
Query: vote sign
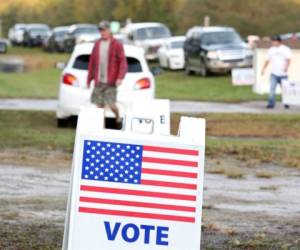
133, 192
291, 93
242, 76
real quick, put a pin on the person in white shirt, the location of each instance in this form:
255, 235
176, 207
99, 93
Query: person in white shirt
280, 57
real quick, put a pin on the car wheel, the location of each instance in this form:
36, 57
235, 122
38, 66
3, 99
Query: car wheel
62, 123
203, 70
188, 71
168, 64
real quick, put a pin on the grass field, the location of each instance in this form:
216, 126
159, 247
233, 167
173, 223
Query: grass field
40, 80
177, 86
247, 139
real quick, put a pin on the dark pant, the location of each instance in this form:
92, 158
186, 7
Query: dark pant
274, 79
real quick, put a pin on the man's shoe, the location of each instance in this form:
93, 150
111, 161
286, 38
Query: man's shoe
270, 106
286, 106
119, 124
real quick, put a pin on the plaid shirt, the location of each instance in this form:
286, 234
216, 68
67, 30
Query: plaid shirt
117, 64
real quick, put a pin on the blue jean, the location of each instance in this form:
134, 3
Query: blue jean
274, 79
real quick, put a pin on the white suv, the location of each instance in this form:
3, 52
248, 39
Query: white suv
138, 83
149, 36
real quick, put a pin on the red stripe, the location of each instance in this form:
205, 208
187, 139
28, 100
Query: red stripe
169, 173
169, 184
138, 193
137, 204
170, 162
136, 214
171, 150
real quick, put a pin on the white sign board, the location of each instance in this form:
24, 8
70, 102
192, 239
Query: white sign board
291, 93
137, 191
242, 76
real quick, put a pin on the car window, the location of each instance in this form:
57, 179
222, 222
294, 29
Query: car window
152, 33
226, 37
82, 62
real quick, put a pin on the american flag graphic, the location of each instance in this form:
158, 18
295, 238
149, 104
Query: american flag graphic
142, 181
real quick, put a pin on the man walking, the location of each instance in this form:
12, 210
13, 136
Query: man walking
280, 57
107, 67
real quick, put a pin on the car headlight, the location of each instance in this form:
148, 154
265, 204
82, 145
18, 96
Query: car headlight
212, 55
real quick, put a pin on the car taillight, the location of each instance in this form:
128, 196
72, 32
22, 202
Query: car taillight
69, 79
143, 83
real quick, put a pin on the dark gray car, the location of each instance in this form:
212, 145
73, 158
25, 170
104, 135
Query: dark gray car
35, 34
215, 50
55, 42
74, 32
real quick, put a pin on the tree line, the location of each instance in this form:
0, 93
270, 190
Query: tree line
265, 17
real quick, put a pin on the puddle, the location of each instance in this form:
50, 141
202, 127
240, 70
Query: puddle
33, 193
32, 182
277, 196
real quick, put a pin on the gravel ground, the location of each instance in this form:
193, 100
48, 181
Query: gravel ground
247, 212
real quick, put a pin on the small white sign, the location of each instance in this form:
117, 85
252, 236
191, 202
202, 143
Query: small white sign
291, 93
242, 76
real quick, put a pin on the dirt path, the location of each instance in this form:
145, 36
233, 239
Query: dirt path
245, 213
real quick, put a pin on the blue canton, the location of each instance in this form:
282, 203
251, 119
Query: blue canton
113, 162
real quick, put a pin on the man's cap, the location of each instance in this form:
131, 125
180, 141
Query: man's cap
104, 25
276, 38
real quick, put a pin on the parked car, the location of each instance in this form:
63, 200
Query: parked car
138, 83
35, 34
149, 36
292, 36
16, 34
171, 55
55, 42
79, 33
215, 49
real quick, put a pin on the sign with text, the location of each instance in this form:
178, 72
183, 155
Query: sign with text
242, 76
291, 93
137, 192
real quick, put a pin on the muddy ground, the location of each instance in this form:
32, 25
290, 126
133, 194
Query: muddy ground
245, 206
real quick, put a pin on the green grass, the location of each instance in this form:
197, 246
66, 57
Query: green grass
34, 84
178, 86
37, 130
40, 80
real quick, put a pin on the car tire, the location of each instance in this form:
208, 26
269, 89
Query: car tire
203, 70
62, 123
168, 64
188, 71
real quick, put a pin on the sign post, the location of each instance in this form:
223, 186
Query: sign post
137, 189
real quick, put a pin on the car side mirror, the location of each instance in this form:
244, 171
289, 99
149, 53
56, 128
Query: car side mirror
156, 71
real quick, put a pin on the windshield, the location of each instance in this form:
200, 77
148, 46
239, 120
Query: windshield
84, 30
152, 33
38, 31
60, 33
227, 37
177, 45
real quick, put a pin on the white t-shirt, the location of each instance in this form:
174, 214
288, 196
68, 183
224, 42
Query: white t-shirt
278, 57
